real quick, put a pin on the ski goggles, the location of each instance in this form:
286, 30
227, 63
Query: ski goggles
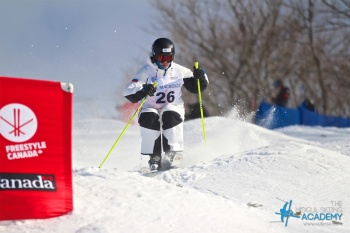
164, 58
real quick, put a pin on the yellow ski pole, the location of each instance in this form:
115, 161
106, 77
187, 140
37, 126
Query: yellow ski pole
196, 65
125, 128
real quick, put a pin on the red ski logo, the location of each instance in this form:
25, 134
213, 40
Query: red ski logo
18, 123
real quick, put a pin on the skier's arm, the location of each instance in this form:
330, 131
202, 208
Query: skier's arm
190, 83
137, 90
134, 92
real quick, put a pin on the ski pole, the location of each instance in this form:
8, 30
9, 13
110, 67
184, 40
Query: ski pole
196, 65
125, 128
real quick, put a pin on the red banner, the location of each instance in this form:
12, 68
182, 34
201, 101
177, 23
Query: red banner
35, 148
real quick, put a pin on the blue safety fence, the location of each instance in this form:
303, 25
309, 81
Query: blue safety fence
272, 116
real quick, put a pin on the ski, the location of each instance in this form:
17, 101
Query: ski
166, 165
146, 171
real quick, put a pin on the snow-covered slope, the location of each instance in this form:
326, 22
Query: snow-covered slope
235, 183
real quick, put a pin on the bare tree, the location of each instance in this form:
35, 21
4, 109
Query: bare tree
322, 41
233, 40
246, 44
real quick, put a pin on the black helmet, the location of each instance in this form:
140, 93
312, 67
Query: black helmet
163, 46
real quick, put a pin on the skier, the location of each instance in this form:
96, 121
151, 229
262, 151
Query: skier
162, 115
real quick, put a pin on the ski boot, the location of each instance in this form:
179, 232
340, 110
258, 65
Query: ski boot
168, 159
170, 155
154, 163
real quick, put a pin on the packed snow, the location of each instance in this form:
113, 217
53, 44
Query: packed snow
237, 182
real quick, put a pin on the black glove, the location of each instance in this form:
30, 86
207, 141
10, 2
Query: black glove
149, 89
199, 74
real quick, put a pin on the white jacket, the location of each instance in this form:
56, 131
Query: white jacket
169, 84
